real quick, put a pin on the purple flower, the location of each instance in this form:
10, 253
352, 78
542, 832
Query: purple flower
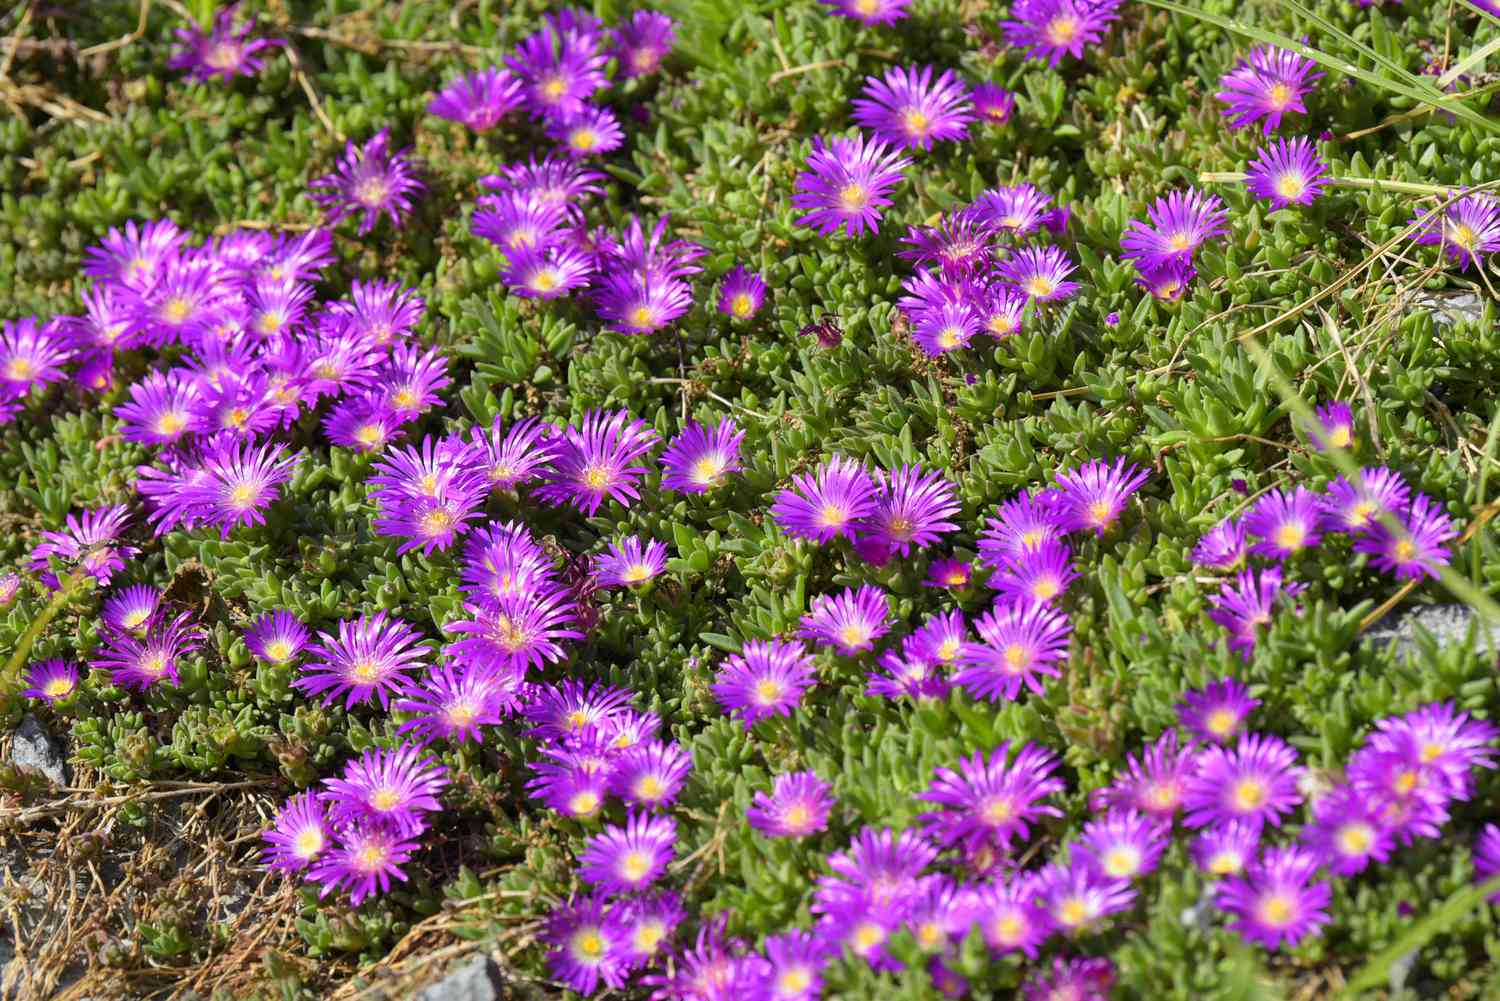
1286, 523
1169, 280
908, 674
1335, 426
391, 789
1040, 273
453, 703
650, 774
647, 923
849, 622
833, 501
225, 52
559, 71
1448, 744
940, 640
960, 244
574, 783
1022, 641
1347, 832
140, 662
31, 354
1155, 783
1017, 209
547, 272
239, 481
1226, 850
1021, 523
1244, 604
160, 409
1415, 549
1010, 917
1040, 574
630, 858
1180, 224
1410, 798
370, 181
51, 680
908, 108
1355, 507
1222, 547
503, 560
10, 586
91, 540
877, 873
1267, 84
642, 41
1275, 902
480, 100
1075, 979
1093, 495
515, 630
700, 457
764, 679
796, 960
130, 609
573, 711
427, 497
363, 424
1288, 173
1046, 29
135, 257
555, 179
363, 861
591, 132
370, 656
1080, 896
911, 509
1466, 229
798, 805
636, 303
870, 12
949, 573
846, 184
519, 455
1255, 783
1487, 856
598, 459
1124, 844
1216, 713
299, 835
629, 564
589, 945
518, 221
946, 327
742, 294
992, 802
993, 103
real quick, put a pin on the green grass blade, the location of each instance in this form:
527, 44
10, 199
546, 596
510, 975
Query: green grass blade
1376, 972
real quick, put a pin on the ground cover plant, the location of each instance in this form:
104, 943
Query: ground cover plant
777, 499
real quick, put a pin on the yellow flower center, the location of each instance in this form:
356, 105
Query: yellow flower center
1072, 912
1280, 96
741, 306
1405, 783
154, 664
134, 619
1356, 839
596, 477
1008, 929
58, 688
584, 804
916, 122
242, 497
948, 650
309, 842
794, 981
1063, 29
1225, 864
798, 818
371, 191
1040, 286
1405, 550
832, 515
1250, 794
370, 435
278, 650
170, 423
768, 691
853, 197
649, 788
554, 88
648, 936
1221, 722
462, 714
1122, 862
1291, 535
583, 139
176, 309
643, 317
636, 573
545, 280
1277, 910
223, 56
1290, 186
1340, 437
365, 671
854, 635
1002, 325
998, 811
436, 522
1045, 589
589, 946
404, 398
19, 369
1015, 656
1462, 235
707, 470
385, 799
634, 866
950, 337
867, 936
371, 857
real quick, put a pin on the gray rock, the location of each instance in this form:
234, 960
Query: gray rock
477, 980
32, 747
1453, 307
1448, 624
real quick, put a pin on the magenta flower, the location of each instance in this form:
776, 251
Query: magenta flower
1276, 902
1416, 549
1467, 229
1267, 84
1040, 574
574, 783
831, 502
1047, 29
629, 564
518, 221
798, 805
597, 460
949, 573
559, 71
572, 711
1124, 845
239, 481
700, 457
1218, 712
1022, 643
480, 100
588, 945
908, 108
993, 103
846, 184
140, 662
591, 132
1255, 783
136, 256
876, 875
647, 923
1347, 832
1040, 272
946, 327
390, 789
363, 861
636, 303
299, 835
1180, 224
630, 858
642, 41
909, 675
1410, 798
1024, 522
1335, 426
911, 509
650, 774
1487, 856
504, 560
51, 680
453, 703
796, 960
362, 424
554, 179
1244, 604
850, 622
870, 12
1286, 523
1355, 507
742, 294
764, 679
510, 458
1222, 547
224, 51
370, 181
1154, 783
1075, 979
1009, 916
960, 244
515, 630
1288, 173
1448, 743
160, 410
91, 540
1093, 495
1079, 897
130, 609
31, 354
370, 656
991, 802
1169, 280
1226, 850
1017, 209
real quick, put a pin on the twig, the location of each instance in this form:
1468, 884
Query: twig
1357, 183
123, 40
822, 64
29, 814
295, 58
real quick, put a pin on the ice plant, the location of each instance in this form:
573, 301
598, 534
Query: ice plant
1289, 173
1180, 223
871, 12
239, 481
1244, 605
1046, 30
1415, 549
1154, 781
1040, 272
1071, 979
627, 563
452, 703
846, 184
629, 858
1124, 844
1010, 918
1335, 428
1080, 896
1040, 574
993, 103
912, 509
1254, 783
949, 573
700, 457
1226, 850
1217, 712
299, 835
1018, 209
1022, 642
480, 100
910, 108
224, 51
1024, 522
391, 789
1093, 495
363, 861
370, 657
830, 502
992, 801
636, 303
1222, 547
642, 41
742, 294
370, 181
598, 460
591, 132
850, 622
797, 805
650, 774
1286, 523
1276, 902
588, 945
1375, 493
766, 678
140, 662
130, 609
1467, 229
559, 71
51, 680
515, 631
1267, 84
91, 540
1347, 832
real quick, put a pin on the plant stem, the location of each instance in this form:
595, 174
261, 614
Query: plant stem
1360, 183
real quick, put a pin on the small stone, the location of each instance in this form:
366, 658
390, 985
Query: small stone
477, 980
34, 749
1448, 624
1451, 308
